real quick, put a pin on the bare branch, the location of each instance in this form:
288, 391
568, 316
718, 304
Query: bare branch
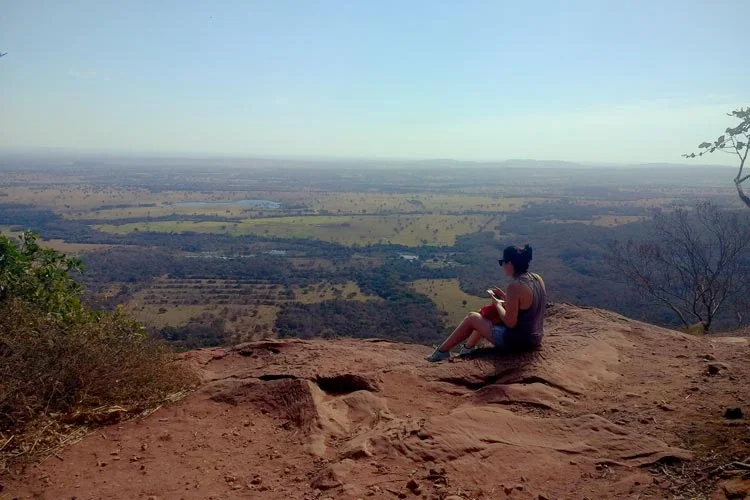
693, 261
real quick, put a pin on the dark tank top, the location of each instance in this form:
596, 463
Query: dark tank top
529, 328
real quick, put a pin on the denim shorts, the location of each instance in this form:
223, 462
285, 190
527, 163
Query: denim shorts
498, 335
510, 340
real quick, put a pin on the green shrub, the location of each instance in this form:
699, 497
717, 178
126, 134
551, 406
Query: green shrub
58, 358
41, 277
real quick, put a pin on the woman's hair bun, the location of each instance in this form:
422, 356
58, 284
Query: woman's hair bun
527, 252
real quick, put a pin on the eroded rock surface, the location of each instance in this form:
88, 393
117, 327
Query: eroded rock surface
600, 405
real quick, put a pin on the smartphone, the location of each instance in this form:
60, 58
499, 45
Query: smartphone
491, 292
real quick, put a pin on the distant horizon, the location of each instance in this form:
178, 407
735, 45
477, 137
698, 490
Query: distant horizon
78, 154
582, 81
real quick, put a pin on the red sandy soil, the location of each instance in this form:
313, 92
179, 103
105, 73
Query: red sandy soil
607, 408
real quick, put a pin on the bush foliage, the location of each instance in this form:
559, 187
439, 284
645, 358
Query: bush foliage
57, 356
40, 277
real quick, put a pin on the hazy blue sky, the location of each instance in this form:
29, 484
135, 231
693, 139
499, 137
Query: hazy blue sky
593, 80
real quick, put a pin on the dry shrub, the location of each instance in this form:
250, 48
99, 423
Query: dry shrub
51, 369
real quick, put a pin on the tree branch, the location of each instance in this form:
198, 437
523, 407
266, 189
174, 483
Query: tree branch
745, 198
743, 158
675, 310
722, 144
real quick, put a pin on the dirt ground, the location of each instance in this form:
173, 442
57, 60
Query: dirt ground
607, 408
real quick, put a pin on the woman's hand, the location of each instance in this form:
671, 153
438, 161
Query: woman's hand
497, 302
499, 292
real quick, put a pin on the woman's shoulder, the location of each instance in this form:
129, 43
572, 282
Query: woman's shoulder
519, 287
539, 278
529, 277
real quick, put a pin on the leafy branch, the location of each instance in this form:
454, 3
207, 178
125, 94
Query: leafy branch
735, 140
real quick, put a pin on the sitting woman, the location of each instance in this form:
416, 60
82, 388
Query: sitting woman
515, 319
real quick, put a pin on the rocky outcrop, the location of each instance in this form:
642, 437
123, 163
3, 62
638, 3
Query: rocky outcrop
604, 404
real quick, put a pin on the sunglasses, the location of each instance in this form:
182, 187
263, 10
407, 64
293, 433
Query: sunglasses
501, 262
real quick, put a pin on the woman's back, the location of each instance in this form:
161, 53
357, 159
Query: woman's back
530, 324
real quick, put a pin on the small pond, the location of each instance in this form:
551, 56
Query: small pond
264, 204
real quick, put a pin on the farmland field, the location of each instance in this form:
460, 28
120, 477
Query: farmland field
448, 296
248, 308
73, 248
413, 202
602, 220
207, 255
408, 230
320, 292
58, 244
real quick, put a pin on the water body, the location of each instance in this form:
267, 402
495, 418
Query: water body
264, 204
408, 256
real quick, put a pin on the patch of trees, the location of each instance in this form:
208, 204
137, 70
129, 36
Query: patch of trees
572, 258
50, 225
126, 205
694, 262
416, 320
127, 265
133, 265
609, 193
163, 218
197, 333
390, 281
25, 216
228, 245
570, 210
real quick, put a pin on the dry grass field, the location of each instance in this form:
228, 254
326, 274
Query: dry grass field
315, 263
411, 202
75, 199
321, 292
59, 245
249, 308
448, 296
601, 220
165, 210
113, 202
75, 248
616, 220
63, 198
638, 203
408, 230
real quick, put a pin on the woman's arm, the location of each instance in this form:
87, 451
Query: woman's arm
509, 309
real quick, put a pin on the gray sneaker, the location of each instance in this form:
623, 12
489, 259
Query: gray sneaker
465, 351
438, 355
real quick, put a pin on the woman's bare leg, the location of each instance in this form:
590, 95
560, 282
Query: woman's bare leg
472, 322
473, 339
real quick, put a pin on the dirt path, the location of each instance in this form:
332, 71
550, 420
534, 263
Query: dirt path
608, 408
